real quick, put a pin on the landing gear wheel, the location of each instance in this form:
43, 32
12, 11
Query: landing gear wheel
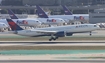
54, 38
50, 39
90, 33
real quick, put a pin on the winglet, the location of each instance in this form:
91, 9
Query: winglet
66, 10
13, 25
11, 14
40, 12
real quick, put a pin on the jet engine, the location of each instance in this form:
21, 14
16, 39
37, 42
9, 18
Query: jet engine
69, 34
60, 34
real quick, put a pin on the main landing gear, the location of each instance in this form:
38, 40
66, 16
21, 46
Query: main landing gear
53, 38
90, 33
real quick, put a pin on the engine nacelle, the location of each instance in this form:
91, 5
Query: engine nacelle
60, 34
69, 34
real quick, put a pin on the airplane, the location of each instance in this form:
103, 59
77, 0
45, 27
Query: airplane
68, 12
46, 20
42, 20
67, 18
23, 22
3, 26
54, 32
76, 16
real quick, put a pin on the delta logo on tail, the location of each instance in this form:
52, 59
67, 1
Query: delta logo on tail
12, 25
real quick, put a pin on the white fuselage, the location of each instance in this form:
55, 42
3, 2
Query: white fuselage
23, 22
3, 25
50, 21
71, 17
69, 29
27, 22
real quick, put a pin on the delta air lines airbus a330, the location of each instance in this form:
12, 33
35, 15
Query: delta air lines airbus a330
54, 32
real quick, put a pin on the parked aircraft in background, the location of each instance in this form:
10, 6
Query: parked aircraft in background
46, 20
67, 17
76, 16
3, 26
54, 32
23, 22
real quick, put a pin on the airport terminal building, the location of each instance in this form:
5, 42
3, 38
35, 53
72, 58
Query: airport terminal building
98, 16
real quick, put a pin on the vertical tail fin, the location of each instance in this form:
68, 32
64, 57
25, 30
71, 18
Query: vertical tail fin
11, 14
66, 10
40, 12
13, 25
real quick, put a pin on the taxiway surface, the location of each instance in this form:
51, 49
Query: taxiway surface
53, 61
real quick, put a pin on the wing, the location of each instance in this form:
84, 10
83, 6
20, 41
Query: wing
45, 31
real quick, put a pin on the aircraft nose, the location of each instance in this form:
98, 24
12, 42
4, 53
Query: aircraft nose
63, 21
39, 23
4, 25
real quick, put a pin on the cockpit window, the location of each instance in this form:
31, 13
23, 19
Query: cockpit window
61, 20
3, 24
95, 25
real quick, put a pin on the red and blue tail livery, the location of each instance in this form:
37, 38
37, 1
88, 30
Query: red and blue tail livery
13, 25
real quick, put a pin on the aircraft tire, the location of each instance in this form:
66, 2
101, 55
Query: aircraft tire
50, 39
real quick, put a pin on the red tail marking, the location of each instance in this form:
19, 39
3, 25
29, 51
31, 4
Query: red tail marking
12, 25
